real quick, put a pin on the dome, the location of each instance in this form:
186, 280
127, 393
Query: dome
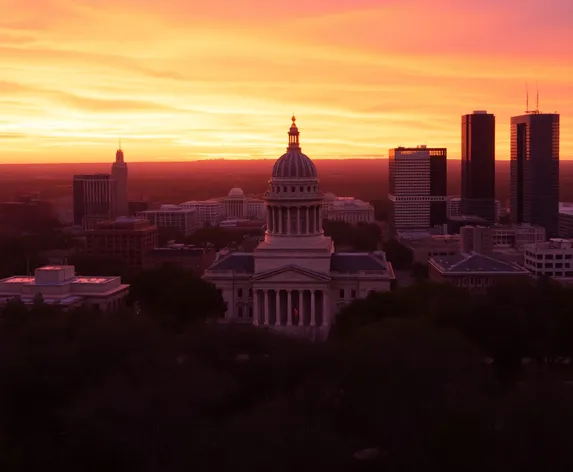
294, 164
329, 197
236, 192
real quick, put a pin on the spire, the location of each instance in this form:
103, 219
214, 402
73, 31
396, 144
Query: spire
293, 135
119, 153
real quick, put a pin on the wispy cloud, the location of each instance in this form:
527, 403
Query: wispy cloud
179, 79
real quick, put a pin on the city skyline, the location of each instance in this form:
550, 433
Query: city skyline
220, 80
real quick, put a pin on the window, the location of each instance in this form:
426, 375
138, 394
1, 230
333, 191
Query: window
240, 292
352, 293
240, 312
250, 293
341, 293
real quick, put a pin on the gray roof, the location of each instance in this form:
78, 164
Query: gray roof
349, 262
475, 263
236, 261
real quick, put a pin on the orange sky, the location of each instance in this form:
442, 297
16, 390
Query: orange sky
183, 79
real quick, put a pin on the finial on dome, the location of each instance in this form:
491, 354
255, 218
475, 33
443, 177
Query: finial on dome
293, 135
293, 119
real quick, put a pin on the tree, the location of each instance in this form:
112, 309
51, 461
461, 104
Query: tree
398, 254
175, 296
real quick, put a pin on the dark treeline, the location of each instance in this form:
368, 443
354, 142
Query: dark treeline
426, 377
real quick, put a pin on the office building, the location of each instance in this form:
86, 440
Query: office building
94, 199
534, 172
209, 212
478, 165
126, 238
418, 187
119, 174
553, 258
172, 218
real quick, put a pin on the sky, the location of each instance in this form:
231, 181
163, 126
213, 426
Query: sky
187, 79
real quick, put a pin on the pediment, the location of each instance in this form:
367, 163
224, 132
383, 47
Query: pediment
291, 274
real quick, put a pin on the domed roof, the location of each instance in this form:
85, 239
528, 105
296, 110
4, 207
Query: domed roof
329, 197
236, 192
294, 164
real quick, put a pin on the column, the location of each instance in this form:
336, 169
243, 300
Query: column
312, 309
289, 307
288, 219
278, 308
325, 309
280, 215
307, 211
269, 220
298, 228
256, 312
266, 307
301, 307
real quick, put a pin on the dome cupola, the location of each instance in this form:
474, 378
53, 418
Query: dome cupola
294, 164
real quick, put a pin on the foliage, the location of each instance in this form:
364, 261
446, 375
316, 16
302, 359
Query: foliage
175, 296
221, 237
361, 237
398, 254
91, 265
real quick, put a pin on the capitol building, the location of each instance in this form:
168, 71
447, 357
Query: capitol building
295, 282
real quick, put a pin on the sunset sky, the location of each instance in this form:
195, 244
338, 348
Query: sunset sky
189, 79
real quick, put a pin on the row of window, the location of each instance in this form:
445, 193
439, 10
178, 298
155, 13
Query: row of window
284, 188
342, 293
549, 256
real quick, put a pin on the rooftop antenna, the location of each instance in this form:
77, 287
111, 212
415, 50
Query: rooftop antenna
537, 102
526, 98
119, 143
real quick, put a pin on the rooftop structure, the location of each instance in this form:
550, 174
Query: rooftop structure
59, 284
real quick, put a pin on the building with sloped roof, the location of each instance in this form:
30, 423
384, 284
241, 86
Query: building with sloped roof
294, 282
474, 271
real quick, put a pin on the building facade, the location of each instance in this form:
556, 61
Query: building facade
418, 187
125, 238
347, 209
209, 212
454, 208
60, 285
94, 199
534, 171
478, 165
553, 258
294, 282
172, 217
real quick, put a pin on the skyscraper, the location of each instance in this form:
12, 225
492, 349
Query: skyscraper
119, 174
94, 199
478, 165
418, 187
534, 172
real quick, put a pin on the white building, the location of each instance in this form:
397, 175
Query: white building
347, 209
417, 187
294, 282
175, 217
238, 205
60, 285
553, 258
208, 212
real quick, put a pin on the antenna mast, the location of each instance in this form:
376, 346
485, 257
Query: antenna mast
537, 102
526, 98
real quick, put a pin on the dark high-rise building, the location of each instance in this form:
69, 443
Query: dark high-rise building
418, 187
119, 174
94, 199
478, 165
534, 173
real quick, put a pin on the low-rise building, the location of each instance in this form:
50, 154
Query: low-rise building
59, 284
347, 209
191, 258
125, 238
517, 236
208, 212
553, 258
473, 271
173, 218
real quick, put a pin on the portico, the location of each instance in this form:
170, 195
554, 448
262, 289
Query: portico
276, 307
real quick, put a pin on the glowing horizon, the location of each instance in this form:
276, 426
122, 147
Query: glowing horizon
221, 79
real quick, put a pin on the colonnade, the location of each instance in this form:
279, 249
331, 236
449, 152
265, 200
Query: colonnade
235, 208
290, 307
294, 220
